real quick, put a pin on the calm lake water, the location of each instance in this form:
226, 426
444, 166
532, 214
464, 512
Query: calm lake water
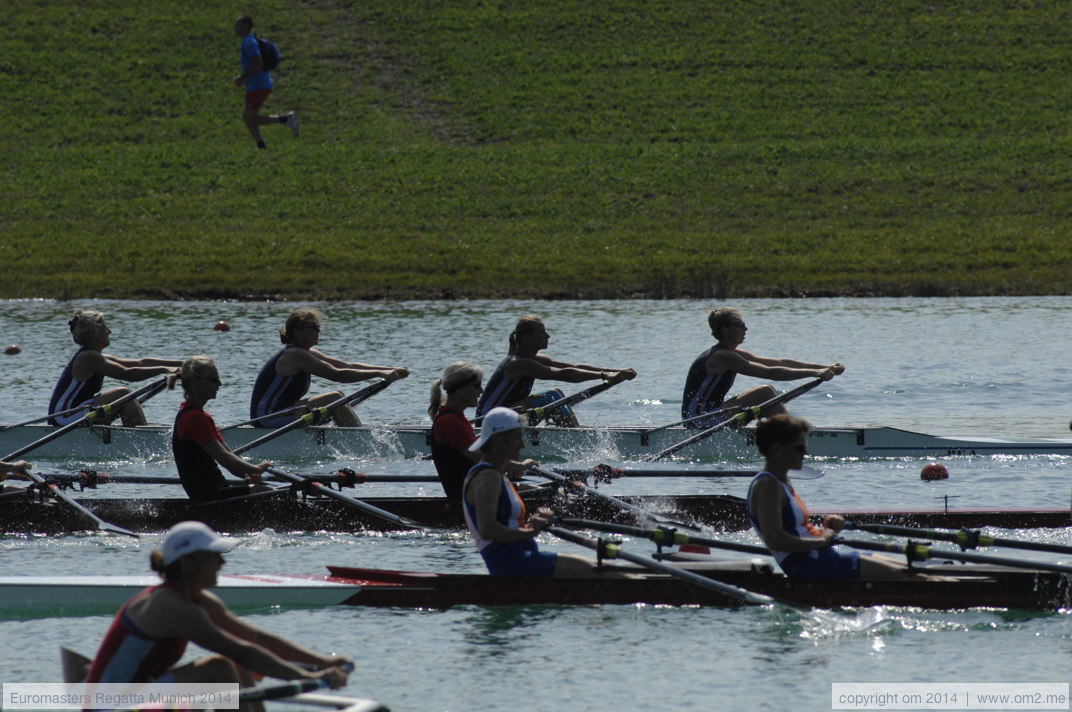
994, 366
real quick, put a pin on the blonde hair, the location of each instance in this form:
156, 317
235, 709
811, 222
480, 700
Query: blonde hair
718, 319
85, 324
193, 367
455, 375
525, 325
286, 334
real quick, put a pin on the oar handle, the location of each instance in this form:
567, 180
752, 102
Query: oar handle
290, 688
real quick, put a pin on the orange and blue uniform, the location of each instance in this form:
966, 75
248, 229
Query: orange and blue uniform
826, 563
514, 558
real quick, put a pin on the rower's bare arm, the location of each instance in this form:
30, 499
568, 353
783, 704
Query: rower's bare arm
231, 462
119, 368
746, 364
215, 628
316, 365
542, 369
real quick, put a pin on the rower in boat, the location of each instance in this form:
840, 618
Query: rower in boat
82, 378
781, 519
452, 433
511, 384
150, 632
284, 380
504, 532
199, 448
713, 372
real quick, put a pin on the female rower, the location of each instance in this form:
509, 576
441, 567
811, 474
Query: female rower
781, 519
284, 379
511, 384
150, 632
712, 373
81, 381
198, 446
496, 515
452, 434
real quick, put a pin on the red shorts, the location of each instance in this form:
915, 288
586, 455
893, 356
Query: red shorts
255, 99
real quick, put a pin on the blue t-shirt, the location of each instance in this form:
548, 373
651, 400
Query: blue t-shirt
260, 80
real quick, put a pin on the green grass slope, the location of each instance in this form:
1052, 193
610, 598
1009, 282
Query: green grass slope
556, 148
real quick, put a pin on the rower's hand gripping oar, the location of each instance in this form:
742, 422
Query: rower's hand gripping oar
96, 413
610, 550
964, 538
289, 688
321, 488
317, 415
916, 551
620, 504
743, 418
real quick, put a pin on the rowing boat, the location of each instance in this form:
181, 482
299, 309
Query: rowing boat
966, 586
395, 442
22, 515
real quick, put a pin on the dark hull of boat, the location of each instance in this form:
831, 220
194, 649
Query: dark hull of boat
971, 587
20, 515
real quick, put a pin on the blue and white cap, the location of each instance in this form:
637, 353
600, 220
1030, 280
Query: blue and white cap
498, 420
187, 537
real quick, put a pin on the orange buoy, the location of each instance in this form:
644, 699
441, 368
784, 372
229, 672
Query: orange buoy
934, 471
13, 349
222, 326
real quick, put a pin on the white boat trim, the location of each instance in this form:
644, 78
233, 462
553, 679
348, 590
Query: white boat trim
613, 444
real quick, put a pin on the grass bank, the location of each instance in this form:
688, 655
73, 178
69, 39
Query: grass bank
470, 148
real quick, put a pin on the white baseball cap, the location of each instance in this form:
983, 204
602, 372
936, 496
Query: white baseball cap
498, 420
187, 537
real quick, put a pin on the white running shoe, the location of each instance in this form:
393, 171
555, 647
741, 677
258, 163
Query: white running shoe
292, 123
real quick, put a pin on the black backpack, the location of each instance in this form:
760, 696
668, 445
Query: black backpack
270, 56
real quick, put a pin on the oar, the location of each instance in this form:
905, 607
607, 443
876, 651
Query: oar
62, 413
611, 473
89, 479
251, 421
317, 415
43, 418
67, 499
964, 538
375, 511
539, 413
662, 535
644, 435
614, 551
914, 551
97, 412
743, 418
620, 504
